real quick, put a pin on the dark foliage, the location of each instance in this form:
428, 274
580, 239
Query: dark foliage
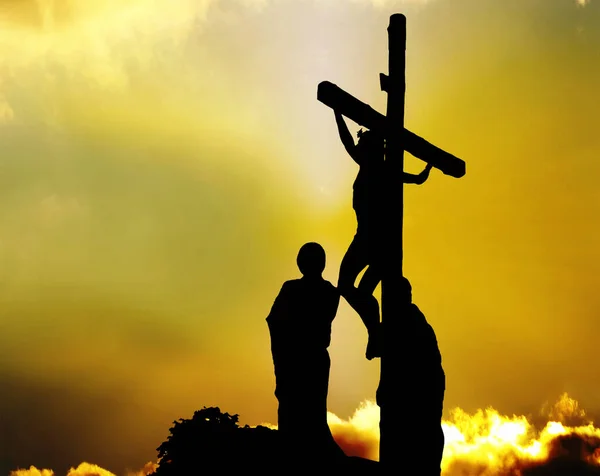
212, 439
212, 442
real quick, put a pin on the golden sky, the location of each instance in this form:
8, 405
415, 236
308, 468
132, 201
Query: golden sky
161, 162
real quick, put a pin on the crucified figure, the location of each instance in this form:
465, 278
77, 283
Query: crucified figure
368, 204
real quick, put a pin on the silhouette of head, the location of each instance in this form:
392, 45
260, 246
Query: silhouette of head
371, 144
311, 260
406, 289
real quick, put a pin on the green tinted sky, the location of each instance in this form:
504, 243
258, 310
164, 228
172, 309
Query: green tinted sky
162, 162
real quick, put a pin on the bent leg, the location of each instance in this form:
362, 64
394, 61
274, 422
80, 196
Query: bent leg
353, 262
361, 299
370, 280
366, 287
370, 310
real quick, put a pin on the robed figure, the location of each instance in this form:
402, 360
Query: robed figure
415, 363
300, 328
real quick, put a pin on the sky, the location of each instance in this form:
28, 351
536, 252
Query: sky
161, 163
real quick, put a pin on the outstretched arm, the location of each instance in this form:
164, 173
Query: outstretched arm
417, 179
345, 136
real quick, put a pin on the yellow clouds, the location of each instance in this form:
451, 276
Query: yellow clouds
566, 410
148, 468
59, 17
84, 469
489, 443
87, 50
486, 442
33, 471
359, 435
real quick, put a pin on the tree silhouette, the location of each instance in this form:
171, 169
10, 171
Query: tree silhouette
212, 442
212, 439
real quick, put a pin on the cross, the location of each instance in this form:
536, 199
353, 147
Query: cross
390, 257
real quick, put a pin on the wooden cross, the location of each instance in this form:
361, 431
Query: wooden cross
390, 252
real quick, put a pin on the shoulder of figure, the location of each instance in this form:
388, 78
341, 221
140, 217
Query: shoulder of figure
418, 314
293, 287
415, 309
290, 283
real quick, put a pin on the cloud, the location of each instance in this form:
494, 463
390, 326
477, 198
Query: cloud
488, 443
33, 471
359, 435
148, 468
485, 443
84, 469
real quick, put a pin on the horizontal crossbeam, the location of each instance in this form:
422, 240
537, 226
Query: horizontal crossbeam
364, 115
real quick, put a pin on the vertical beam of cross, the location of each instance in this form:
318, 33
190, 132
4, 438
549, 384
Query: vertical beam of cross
391, 255
388, 254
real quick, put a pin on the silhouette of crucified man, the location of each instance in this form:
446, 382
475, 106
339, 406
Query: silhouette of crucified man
368, 205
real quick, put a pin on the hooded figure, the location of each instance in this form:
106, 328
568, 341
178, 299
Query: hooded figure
414, 384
